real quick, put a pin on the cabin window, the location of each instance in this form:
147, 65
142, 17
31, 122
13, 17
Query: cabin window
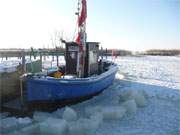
72, 55
92, 57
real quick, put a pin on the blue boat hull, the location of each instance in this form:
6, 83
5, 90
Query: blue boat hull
52, 89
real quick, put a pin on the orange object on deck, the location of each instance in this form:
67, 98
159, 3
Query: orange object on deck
57, 74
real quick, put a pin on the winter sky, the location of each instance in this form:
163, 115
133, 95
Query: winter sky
125, 24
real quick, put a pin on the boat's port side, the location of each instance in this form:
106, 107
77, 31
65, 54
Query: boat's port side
49, 90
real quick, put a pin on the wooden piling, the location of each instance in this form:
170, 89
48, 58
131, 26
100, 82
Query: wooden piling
57, 56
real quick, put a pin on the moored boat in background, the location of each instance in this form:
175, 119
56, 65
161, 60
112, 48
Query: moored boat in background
10, 78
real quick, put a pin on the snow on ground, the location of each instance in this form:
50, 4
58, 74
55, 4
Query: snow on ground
159, 78
163, 71
48, 62
10, 65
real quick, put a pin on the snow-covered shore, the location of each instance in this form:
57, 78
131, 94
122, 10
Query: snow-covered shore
159, 77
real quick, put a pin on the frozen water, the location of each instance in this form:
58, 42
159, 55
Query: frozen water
69, 114
53, 126
24, 121
8, 124
83, 126
130, 106
41, 116
33, 129
11, 64
94, 125
124, 95
58, 113
138, 96
155, 70
77, 128
97, 118
144, 93
155, 78
161, 96
14, 133
113, 112
92, 109
139, 99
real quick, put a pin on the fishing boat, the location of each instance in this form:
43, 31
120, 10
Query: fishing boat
83, 75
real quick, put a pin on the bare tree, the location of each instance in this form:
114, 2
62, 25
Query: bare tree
56, 38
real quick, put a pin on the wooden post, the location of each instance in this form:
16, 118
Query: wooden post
57, 56
21, 88
44, 57
21, 79
106, 53
34, 56
30, 55
101, 52
53, 57
40, 58
44, 54
23, 62
33, 53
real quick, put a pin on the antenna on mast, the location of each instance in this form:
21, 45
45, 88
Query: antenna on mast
78, 9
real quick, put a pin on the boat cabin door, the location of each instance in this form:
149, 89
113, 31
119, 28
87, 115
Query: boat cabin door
71, 57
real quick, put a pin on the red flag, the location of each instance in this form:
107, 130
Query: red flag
78, 39
83, 14
81, 20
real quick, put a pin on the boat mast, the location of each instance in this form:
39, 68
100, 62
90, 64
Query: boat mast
81, 37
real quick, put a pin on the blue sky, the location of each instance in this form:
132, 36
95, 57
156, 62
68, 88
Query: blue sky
125, 24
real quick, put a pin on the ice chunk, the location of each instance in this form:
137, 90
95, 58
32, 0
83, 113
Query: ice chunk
115, 100
119, 76
130, 106
8, 124
97, 118
41, 116
58, 113
113, 112
144, 93
53, 126
31, 129
124, 95
97, 115
24, 121
152, 94
14, 133
94, 125
69, 114
76, 128
91, 110
139, 98
83, 126
162, 96
79, 127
